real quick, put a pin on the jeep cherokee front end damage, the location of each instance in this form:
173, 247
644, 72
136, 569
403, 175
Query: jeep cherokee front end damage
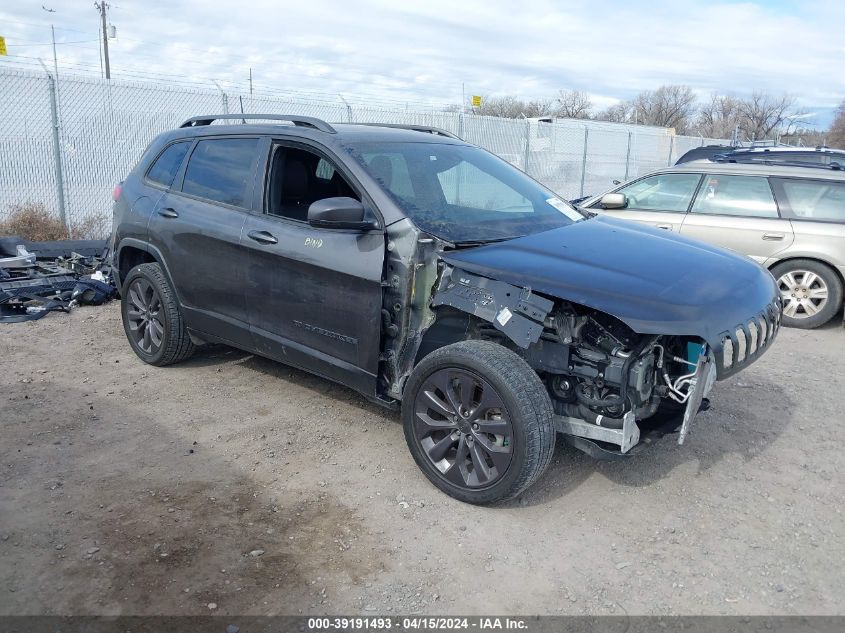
605, 373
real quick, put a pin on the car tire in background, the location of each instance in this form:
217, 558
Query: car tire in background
811, 292
478, 422
152, 319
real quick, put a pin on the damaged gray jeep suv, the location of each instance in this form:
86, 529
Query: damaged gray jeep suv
426, 273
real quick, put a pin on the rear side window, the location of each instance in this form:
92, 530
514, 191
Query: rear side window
747, 196
165, 167
221, 170
813, 199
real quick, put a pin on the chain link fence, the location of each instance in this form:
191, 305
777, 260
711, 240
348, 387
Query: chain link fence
65, 143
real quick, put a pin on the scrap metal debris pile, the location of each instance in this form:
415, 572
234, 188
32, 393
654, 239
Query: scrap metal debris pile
41, 277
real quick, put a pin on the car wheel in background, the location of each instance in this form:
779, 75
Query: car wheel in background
811, 292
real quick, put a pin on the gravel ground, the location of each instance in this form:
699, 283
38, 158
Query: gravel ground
231, 484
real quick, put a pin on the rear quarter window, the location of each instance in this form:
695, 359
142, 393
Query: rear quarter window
821, 200
221, 170
166, 166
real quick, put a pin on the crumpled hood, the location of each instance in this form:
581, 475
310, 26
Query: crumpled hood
654, 281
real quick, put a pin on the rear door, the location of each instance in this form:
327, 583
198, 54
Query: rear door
816, 209
197, 228
738, 212
660, 200
313, 295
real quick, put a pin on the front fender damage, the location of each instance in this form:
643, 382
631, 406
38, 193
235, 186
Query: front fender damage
516, 312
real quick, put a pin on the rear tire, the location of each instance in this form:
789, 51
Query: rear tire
152, 319
811, 292
478, 422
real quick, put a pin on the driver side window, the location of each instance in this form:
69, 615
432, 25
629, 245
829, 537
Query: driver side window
298, 178
662, 192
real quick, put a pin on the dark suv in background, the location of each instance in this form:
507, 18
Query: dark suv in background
424, 272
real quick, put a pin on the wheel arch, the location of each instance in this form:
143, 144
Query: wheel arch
131, 252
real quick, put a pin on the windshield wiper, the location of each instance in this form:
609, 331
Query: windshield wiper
492, 240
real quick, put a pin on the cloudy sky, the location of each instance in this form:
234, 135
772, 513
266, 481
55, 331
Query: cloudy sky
423, 52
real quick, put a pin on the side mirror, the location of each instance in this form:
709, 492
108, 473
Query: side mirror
614, 201
337, 213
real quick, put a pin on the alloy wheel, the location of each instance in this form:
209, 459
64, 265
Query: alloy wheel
804, 293
146, 324
463, 427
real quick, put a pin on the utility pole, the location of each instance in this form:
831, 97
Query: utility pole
250, 83
101, 7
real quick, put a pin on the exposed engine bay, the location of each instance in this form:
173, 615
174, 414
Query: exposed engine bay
602, 376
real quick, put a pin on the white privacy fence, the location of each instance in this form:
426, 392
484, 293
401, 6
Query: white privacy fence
66, 143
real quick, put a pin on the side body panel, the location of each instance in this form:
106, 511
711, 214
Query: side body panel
759, 238
666, 220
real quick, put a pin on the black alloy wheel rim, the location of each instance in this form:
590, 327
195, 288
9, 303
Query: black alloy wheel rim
146, 325
463, 428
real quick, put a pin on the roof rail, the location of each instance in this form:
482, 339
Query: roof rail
416, 128
301, 121
764, 160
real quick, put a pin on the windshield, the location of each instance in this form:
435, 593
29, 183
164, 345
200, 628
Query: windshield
461, 193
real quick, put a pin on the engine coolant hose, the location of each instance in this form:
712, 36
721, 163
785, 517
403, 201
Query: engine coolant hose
599, 419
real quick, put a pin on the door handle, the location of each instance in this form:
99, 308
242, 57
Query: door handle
262, 237
168, 212
667, 227
773, 237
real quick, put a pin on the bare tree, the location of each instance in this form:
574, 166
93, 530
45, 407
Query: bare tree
574, 104
719, 117
540, 108
511, 107
836, 136
622, 112
763, 114
508, 107
668, 106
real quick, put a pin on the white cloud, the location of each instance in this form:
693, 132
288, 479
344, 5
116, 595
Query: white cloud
424, 51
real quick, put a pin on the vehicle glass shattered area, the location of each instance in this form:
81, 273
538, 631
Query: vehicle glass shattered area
461, 193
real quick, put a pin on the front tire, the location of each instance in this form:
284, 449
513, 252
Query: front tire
811, 292
152, 319
478, 422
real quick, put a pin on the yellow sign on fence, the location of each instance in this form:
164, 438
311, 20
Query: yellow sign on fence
2, 45
476, 101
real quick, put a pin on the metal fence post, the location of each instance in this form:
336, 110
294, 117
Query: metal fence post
527, 143
584, 159
57, 149
627, 157
224, 96
671, 149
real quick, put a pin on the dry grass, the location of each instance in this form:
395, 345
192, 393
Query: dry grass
32, 221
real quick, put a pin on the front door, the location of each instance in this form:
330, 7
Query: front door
738, 213
660, 200
313, 294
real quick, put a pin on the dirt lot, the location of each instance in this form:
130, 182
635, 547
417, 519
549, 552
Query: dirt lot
236, 481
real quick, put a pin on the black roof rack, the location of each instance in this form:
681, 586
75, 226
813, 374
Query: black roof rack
764, 160
416, 128
301, 121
